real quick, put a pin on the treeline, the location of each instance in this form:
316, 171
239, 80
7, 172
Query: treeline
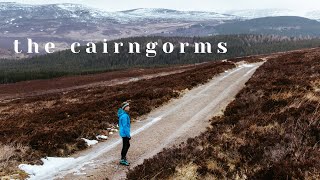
65, 63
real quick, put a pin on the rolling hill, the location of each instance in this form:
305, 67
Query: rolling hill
65, 63
283, 25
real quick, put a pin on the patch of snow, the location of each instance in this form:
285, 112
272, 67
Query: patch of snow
102, 137
79, 173
247, 65
174, 14
164, 14
53, 166
71, 7
49, 164
90, 142
74, 16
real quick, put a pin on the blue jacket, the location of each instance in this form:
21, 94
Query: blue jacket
124, 123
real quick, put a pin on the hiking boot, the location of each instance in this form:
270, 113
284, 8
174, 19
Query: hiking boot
124, 162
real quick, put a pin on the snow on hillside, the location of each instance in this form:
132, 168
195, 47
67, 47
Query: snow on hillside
79, 11
140, 14
313, 15
174, 14
258, 13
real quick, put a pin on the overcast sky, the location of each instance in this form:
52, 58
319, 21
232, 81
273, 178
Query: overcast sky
203, 5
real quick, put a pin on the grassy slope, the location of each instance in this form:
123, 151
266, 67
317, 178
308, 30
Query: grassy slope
53, 125
270, 131
65, 63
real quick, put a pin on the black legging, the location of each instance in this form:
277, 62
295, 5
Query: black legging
125, 147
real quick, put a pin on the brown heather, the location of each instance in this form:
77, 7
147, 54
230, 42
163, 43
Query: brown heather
53, 124
270, 131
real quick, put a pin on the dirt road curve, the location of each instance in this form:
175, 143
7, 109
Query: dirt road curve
168, 125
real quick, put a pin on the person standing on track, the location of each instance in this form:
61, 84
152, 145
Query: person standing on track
124, 126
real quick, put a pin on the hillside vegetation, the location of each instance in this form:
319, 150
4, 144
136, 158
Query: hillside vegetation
280, 25
53, 124
270, 131
66, 63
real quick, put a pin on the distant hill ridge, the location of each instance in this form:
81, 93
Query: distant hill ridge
282, 25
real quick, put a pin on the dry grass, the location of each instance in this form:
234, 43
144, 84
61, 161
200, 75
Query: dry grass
265, 129
270, 131
53, 124
282, 95
187, 172
10, 155
316, 85
6, 152
312, 97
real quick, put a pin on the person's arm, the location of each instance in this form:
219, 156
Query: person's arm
128, 126
122, 123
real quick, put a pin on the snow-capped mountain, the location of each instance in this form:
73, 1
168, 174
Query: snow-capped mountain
64, 23
174, 14
74, 11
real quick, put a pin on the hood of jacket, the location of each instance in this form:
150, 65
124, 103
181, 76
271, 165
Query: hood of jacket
121, 112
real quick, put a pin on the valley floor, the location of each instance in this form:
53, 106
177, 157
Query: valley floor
165, 126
